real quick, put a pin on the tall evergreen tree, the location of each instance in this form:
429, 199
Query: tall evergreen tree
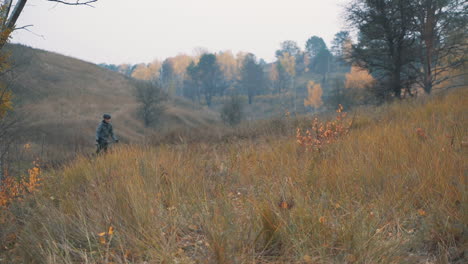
210, 77
341, 46
290, 47
386, 44
319, 55
252, 77
314, 46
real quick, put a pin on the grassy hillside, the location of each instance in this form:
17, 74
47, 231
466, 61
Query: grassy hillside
63, 99
392, 190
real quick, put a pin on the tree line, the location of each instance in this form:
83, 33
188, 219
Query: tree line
204, 76
402, 46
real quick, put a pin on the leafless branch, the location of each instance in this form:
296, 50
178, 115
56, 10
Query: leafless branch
444, 89
30, 31
76, 2
23, 27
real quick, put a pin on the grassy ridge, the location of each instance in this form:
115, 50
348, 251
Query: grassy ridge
392, 191
62, 100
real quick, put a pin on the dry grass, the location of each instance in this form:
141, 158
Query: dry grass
393, 190
63, 98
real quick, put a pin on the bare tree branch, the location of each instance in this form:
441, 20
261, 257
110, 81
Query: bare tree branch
24, 27
76, 2
30, 31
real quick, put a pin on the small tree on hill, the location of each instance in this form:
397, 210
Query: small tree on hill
208, 77
252, 79
191, 86
151, 99
232, 113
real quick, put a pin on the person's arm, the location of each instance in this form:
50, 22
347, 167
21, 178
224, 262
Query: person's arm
98, 132
112, 134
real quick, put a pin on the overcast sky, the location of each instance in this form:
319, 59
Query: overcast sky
134, 31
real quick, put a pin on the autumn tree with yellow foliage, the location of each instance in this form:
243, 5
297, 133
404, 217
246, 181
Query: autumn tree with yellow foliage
229, 65
358, 78
180, 64
314, 98
147, 72
173, 73
359, 87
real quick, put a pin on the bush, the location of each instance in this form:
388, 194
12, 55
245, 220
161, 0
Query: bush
231, 113
151, 99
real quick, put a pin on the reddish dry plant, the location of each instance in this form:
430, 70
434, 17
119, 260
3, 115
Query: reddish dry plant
321, 133
286, 204
13, 189
421, 133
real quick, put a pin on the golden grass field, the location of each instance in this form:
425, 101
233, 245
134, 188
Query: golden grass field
392, 190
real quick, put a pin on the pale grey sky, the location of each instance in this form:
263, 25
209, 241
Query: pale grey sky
134, 31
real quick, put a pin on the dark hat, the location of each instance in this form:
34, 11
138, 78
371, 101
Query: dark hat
106, 116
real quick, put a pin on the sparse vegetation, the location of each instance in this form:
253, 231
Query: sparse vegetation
232, 111
389, 191
151, 99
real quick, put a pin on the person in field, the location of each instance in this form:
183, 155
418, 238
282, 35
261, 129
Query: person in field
104, 131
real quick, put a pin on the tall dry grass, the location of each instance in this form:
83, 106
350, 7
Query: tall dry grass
393, 190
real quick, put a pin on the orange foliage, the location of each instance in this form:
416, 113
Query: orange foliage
12, 189
421, 212
323, 133
289, 63
147, 72
421, 134
180, 64
228, 64
5, 100
358, 78
314, 98
103, 235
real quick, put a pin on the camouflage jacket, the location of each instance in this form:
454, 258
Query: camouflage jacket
104, 131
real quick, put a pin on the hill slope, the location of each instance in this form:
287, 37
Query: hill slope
65, 97
392, 190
